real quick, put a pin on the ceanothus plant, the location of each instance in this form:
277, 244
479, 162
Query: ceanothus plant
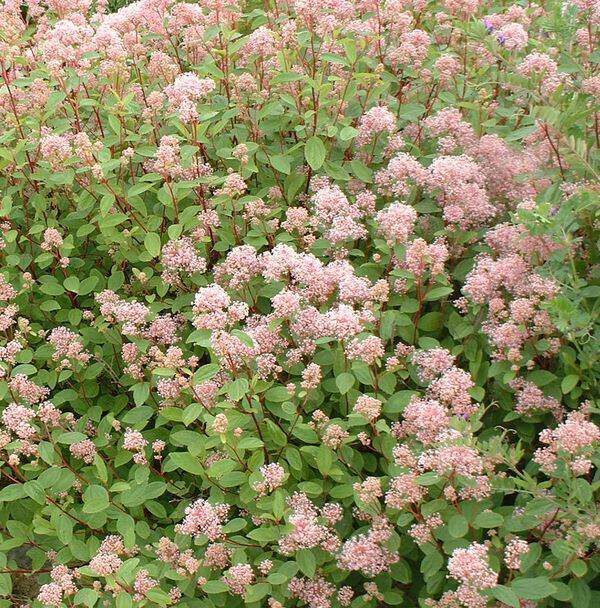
297, 304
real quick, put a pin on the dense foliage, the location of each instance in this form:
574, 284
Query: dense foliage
298, 304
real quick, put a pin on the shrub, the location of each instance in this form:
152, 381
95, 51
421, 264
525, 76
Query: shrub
298, 304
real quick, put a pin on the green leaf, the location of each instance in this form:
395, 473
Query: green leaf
123, 601
315, 153
71, 284
255, 593
275, 434
324, 459
344, 382
87, 597
569, 383
265, 534
158, 596
488, 519
541, 377
431, 564
95, 499
458, 526
64, 529
437, 293
432, 321
306, 561
533, 588
126, 528
52, 288
348, 133
581, 594
206, 372
6, 585
141, 392
238, 389
281, 163
191, 413
71, 437
428, 479
249, 443
278, 394
213, 587
12, 492
583, 490
139, 494
361, 171
34, 490
506, 595
579, 568
152, 244
187, 462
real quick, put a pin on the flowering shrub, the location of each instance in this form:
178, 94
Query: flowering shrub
297, 304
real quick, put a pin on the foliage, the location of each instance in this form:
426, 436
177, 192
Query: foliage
299, 304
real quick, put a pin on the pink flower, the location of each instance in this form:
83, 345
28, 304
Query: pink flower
369, 490
368, 407
105, 564
452, 389
316, 593
513, 36
52, 239
134, 441
311, 376
217, 555
261, 42
403, 491
27, 390
17, 419
574, 440
84, 450
366, 553
185, 92
373, 123
396, 222
50, 594
68, 347
56, 149
334, 436
470, 567
513, 551
201, 517
394, 180
368, 350
460, 182
426, 419
142, 584
220, 424
273, 475
413, 48
238, 578
181, 256
432, 362
307, 532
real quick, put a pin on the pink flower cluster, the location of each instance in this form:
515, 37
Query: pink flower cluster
61, 587
185, 92
307, 531
471, 569
201, 517
573, 441
68, 347
367, 553
373, 123
273, 475
238, 578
